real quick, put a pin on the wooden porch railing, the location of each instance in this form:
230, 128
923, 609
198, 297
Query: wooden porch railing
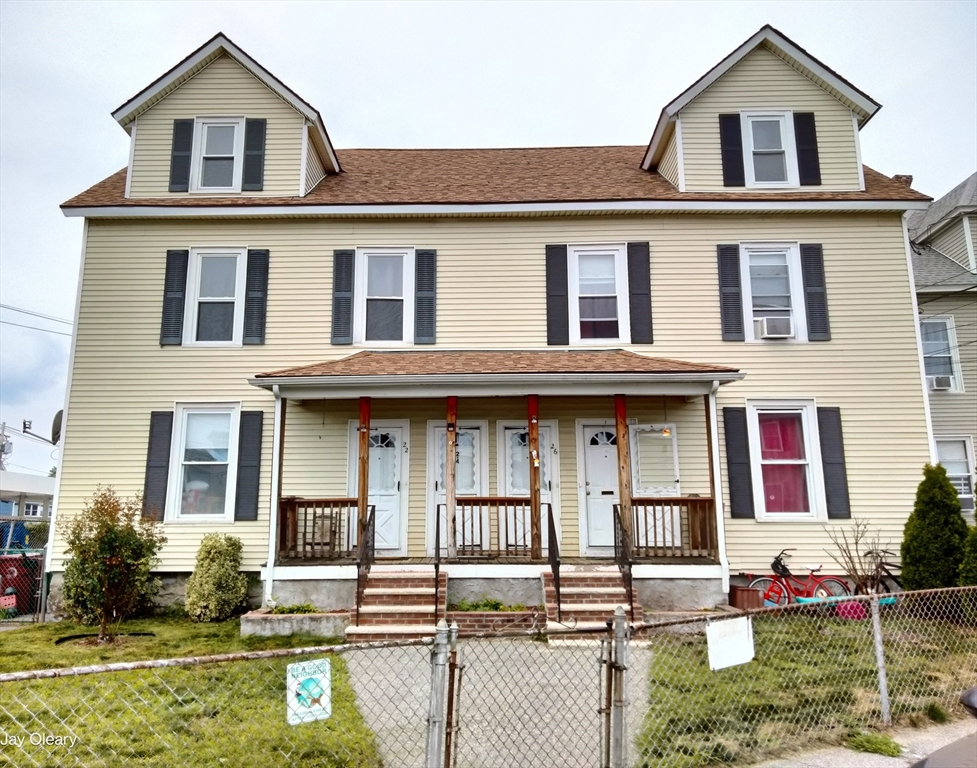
492, 526
681, 526
317, 529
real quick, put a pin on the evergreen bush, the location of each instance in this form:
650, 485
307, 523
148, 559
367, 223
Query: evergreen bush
217, 588
932, 544
968, 566
111, 552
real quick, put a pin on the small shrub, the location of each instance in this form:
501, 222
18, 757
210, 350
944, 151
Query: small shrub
932, 545
877, 743
111, 552
968, 565
936, 713
485, 603
297, 608
37, 534
217, 588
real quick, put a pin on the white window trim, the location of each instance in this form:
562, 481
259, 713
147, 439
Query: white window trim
951, 335
359, 295
812, 449
196, 155
175, 481
620, 283
786, 118
968, 443
37, 505
798, 307
193, 291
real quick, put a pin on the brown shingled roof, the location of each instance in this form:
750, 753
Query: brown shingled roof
470, 176
502, 362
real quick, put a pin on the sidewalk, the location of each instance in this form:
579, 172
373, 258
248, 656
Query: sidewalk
916, 744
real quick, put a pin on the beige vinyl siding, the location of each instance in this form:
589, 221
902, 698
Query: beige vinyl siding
952, 241
955, 413
765, 81
491, 294
314, 172
972, 225
223, 89
668, 167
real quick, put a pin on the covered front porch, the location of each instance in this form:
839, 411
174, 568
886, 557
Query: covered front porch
594, 456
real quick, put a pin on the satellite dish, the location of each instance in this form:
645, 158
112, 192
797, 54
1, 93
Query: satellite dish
56, 428
8, 448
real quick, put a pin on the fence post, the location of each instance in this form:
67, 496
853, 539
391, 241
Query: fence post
619, 665
435, 717
880, 661
452, 714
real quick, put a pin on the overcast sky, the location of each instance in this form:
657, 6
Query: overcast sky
419, 75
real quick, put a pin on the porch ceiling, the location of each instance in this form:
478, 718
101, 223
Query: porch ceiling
488, 373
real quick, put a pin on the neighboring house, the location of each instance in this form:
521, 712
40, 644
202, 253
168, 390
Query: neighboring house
944, 241
23, 499
705, 346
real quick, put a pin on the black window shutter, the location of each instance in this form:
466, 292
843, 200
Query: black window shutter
730, 293
180, 155
740, 475
256, 297
731, 146
639, 288
248, 466
253, 178
806, 140
833, 463
157, 464
815, 293
557, 296
425, 296
343, 263
174, 296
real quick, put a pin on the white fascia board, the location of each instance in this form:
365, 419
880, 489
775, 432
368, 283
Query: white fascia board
488, 209
493, 385
683, 571
124, 114
768, 35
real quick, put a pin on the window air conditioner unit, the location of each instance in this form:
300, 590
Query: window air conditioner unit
940, 383
776, 327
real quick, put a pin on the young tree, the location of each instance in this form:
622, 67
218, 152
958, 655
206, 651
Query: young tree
932, 544
112, 550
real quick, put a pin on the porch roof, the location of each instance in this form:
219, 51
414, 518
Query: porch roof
487, 373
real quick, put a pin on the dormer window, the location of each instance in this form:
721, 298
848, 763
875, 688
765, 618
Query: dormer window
218, 159
768, 150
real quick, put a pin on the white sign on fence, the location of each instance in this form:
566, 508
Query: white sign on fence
309, 691
730, 642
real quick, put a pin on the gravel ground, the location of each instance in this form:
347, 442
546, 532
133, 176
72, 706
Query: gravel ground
522, 703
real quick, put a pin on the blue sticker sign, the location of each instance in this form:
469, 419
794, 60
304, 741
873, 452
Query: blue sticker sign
309, 691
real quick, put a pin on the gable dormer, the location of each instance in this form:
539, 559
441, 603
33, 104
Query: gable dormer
768, 118
220, 125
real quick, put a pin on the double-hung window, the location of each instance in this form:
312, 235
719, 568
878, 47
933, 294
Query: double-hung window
785, 459
218, 158
956, 454
32, 509
598, 283
385, 296
940, 354
770, 274
214, 311
769, 157
203, 462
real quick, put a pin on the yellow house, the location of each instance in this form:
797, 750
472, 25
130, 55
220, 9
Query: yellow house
654, 366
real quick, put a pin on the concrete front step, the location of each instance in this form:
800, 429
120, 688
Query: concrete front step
377, 633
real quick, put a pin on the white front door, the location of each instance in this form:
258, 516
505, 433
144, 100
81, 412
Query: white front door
515, 524
387, 485
600, 483
654, 462
471, 526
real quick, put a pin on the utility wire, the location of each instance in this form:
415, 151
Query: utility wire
35, 314
34, 328
948, 293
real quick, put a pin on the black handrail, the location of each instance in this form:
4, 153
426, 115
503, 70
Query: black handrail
437, 560
623, 556
553, 554
365, 555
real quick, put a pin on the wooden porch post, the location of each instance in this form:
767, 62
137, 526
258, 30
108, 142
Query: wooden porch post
623, 461
450, 449
535, 516
363, 467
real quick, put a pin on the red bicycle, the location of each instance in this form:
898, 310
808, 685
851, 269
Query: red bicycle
784, 587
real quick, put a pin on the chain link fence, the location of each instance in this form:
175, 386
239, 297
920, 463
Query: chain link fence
21, 580
644, 695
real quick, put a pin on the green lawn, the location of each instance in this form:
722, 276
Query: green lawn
217, 714
813, 680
